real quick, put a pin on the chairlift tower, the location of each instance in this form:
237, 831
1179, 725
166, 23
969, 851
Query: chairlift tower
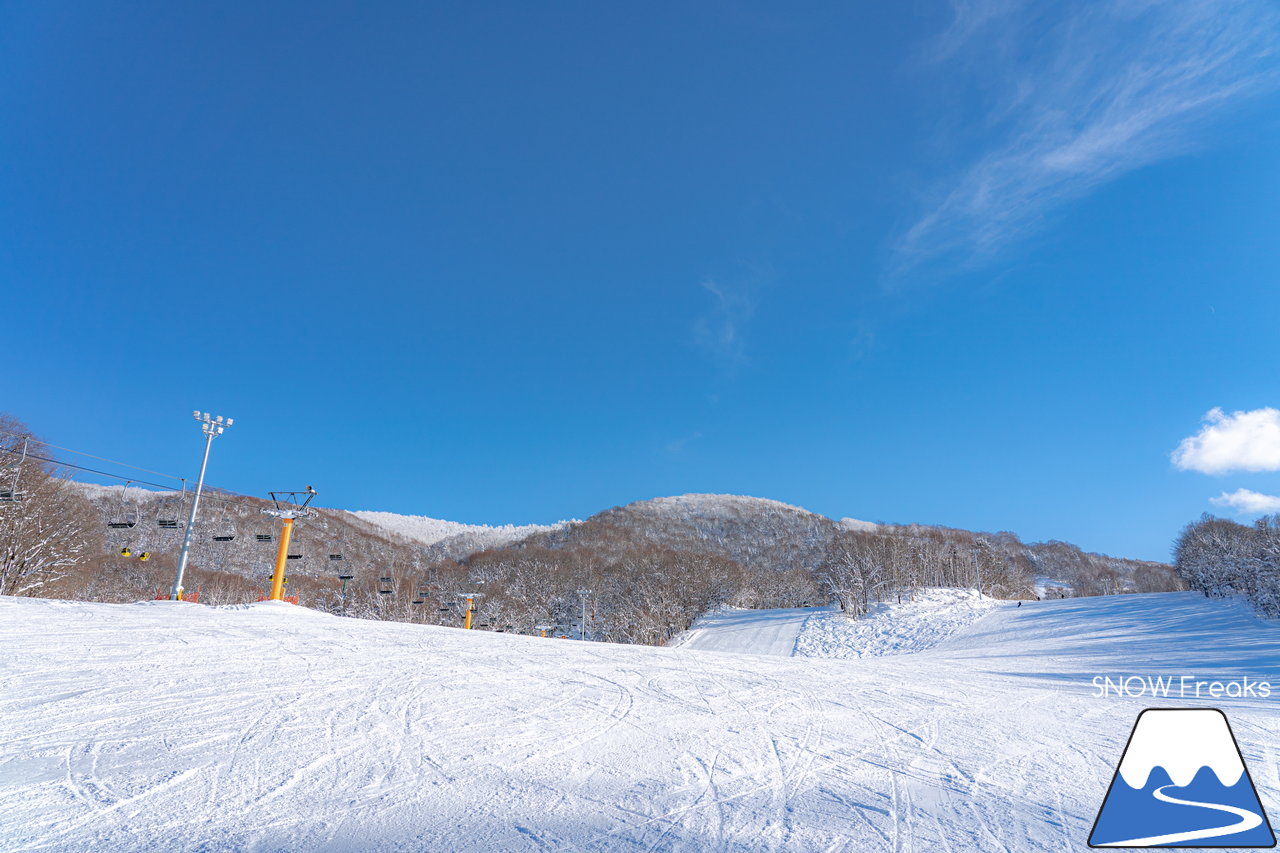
212, 428
289, 507
471, 606
584, 594
977, 567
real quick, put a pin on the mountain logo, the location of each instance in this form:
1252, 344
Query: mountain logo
1182, 783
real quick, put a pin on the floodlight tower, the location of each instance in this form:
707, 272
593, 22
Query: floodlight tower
212, 428
288, 509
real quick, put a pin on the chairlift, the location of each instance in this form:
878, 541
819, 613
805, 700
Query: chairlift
294, 556
12, 494
125, 552
223, 531
144, 556
123, 520
346, 577
386, 586
335, 557
263, 537
169, 510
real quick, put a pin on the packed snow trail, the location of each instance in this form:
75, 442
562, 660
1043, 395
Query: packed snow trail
172, 726
760, 632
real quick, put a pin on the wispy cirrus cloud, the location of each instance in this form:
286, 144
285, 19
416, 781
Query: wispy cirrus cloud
1076, 95
721, 331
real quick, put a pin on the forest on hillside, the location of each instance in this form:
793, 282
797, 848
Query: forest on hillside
1222, 558
638, 574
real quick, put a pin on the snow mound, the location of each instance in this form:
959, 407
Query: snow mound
428, 531
894, 629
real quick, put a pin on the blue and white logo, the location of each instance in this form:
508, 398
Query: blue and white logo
1182, 783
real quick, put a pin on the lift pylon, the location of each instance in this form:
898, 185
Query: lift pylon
289, 507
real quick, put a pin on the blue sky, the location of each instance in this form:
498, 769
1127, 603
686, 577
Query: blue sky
982, 263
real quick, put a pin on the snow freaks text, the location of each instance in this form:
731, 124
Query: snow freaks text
1179, 687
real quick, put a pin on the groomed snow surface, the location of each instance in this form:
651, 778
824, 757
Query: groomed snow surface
172, 726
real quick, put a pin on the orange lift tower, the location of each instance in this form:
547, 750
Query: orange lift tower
471, 606
288, 508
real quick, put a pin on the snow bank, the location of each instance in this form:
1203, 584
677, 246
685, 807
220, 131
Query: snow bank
894, 629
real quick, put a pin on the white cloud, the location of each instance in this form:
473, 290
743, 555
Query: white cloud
1241, 441
1248, 502
1075, 99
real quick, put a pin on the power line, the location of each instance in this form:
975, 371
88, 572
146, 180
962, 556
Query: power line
99, 458
212, 495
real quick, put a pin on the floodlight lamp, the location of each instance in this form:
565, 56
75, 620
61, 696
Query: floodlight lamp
230, 421
218, 419
196, 414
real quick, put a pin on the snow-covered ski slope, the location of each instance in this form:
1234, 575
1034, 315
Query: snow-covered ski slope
171, 726
890, 628
760, 632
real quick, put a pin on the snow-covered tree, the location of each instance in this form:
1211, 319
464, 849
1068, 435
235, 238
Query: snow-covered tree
47, 527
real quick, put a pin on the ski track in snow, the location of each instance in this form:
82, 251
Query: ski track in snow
172, 726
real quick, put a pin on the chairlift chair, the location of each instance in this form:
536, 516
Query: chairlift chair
386, 585
169, 510
223, 531
13, 494
123, 520
263, 537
